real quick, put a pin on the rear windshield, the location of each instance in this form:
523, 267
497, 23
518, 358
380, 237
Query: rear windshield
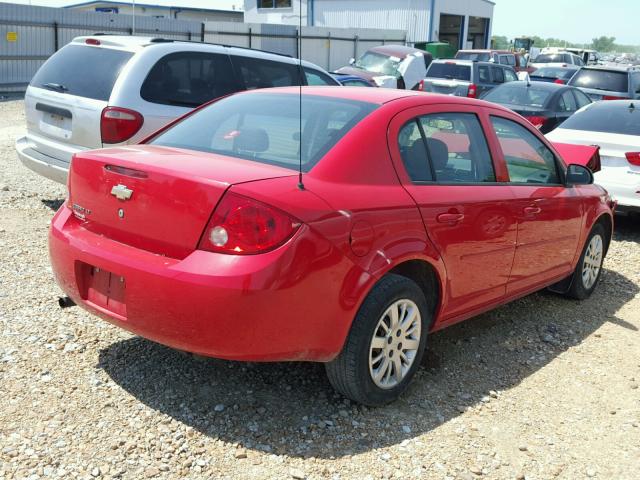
451, 71
554, 72
82, 71
265, 128
518, 94
553, 58
609, 117
607, 80
480, 57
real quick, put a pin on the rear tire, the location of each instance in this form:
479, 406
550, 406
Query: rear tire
385, 345
589, 267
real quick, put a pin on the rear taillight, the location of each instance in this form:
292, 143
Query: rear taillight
118, 125
612, 97
243, 226
633, 158
472, 91
421, 86
537, 121
92, 41
559, 81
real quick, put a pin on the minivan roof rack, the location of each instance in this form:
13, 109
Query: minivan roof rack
171, 40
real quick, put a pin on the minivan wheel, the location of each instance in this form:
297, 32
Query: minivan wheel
589, 267
385, 345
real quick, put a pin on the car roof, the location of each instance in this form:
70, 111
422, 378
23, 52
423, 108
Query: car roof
396, 50
616, 105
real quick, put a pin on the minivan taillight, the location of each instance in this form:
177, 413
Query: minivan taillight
118, 125
633, 158
243, 226
472, 91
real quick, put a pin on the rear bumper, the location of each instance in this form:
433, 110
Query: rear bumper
288, 304
55, 169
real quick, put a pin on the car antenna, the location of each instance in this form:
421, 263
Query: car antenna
301, 77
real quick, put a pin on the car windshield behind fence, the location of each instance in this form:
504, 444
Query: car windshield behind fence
376, 62
265, 128
88, 72
519, 94
450, 71
607, 80
609, 117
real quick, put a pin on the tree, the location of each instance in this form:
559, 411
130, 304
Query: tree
604, 44
500, 42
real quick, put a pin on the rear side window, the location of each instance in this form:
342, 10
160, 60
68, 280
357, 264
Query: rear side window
528, 159
88, 72
189, 79
258, 73
609, 117
265, 128
450, 70
483, 74
510, 76
567, 102
498, 74
581, 98
608, 80
447, 148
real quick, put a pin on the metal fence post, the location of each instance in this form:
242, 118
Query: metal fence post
328, 50
356, 38
55, 36
298, 43
250, 42
202, 32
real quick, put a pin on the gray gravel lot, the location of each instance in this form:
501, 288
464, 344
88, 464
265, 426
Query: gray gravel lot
542, 388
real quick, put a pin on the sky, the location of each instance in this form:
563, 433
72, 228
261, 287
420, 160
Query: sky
577, 21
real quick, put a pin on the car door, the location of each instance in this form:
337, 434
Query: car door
549, 214
444, 162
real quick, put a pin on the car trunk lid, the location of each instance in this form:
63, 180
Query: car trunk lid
155, 198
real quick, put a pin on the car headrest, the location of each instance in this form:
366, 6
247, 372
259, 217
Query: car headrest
253, 140
439, 153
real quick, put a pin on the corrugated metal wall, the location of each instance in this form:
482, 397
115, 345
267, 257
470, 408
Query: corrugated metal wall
41, 31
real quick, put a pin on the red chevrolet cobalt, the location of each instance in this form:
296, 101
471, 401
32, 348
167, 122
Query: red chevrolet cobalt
412, 212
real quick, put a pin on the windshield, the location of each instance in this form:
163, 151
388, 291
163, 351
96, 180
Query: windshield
265, 127
518, 94
450, 70
552, 58
82, 71
476, 56
607, 80
378, 63
609, 117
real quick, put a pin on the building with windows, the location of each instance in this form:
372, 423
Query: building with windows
462, 23
199, 11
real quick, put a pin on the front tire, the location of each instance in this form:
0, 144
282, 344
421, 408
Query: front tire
589, 268
385, 345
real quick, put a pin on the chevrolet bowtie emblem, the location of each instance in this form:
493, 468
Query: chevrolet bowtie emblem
121, 192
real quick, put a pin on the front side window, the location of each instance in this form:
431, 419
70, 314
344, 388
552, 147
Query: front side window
189, 79
528, 159
257, 73
274, 3
446, 148
316, 78
266, 128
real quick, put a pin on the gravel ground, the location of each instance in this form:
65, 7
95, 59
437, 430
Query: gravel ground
542, 388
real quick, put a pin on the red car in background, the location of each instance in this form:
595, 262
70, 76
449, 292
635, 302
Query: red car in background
412, 212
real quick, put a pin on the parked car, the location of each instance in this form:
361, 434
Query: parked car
608, 83
402, 213
545, 105
465, 78
589, 57
615, 127
560, 75
559, 59
517, 60
352, 80
390, 66
107, 90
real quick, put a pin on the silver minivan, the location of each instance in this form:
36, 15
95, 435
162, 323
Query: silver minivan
108, 90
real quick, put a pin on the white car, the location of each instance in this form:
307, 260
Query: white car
106, 90
615, 126
556, 59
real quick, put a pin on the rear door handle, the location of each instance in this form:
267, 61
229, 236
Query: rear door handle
532, 210
450, 218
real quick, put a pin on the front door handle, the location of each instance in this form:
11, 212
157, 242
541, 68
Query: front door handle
450, 218
532, 210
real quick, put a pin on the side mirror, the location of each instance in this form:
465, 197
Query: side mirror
578, 175
352, 61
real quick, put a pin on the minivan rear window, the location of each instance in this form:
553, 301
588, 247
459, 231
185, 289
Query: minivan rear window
451, 71
608, 80
265, 127
82, 71
608, 117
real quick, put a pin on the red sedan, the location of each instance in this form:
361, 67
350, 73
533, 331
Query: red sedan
413, 212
